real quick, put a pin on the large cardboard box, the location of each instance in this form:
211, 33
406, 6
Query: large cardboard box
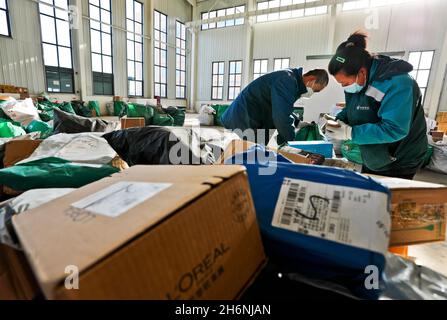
419, 211
150, 232
240, 146
17, 282
18, 150
127, 123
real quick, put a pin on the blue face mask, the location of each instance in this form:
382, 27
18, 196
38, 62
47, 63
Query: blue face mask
354, 88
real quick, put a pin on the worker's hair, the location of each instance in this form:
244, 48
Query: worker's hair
351, 55
322, 78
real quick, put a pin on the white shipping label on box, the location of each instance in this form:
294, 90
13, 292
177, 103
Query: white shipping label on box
346, 215
120, 198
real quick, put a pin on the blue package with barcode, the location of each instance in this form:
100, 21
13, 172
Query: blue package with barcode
325, 223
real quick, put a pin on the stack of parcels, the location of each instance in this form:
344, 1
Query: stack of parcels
332, 224
61, 161
150, 232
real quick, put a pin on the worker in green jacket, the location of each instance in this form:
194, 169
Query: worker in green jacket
383, 113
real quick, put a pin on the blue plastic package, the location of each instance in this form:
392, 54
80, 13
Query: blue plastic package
324, 148
326, 223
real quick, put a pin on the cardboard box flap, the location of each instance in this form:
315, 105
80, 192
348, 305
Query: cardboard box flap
88, 233
396, 184
205, 174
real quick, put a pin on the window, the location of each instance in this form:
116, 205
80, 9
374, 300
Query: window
223, 13
362, 4
235, 79
160, 54
56, 46
260, 68
309, 10
180, 60
5, 28
422, 63
217, 80
134, 23
101, 46
282, 63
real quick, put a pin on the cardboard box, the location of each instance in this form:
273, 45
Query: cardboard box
127, 123
17, 282
198, 238
240, 146
441, 117
18, 150
419, 211
15, 151
442, 127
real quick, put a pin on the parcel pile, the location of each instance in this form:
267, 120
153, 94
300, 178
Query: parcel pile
189, 213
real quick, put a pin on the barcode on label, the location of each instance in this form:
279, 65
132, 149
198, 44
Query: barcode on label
290, 204
302, 195
336, 201
287, 216
332, 228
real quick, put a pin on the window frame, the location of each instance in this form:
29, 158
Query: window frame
416, 69
218, 74
160, 48
53, 69
260, 74
95, 74
266, 17
8, 20
223, 21
282, 61
178, 52
135, 42
234, 86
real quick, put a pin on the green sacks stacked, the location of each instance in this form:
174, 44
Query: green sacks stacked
46, 108
220, 110
52, 173
8, 127
9, 130
162, 120
135, 110
46, 112
94, 106
173, 116
178, 114
67, 107
119, 108
44, 128
81, 109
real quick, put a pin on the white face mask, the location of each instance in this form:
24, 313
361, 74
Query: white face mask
355, 87
309, 92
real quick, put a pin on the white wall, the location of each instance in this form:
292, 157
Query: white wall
21, 58
224, 44
420, 25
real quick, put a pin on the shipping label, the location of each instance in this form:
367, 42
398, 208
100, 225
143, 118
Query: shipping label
346, 215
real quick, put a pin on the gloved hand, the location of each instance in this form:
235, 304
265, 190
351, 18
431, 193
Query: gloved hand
339, 131
329, 117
